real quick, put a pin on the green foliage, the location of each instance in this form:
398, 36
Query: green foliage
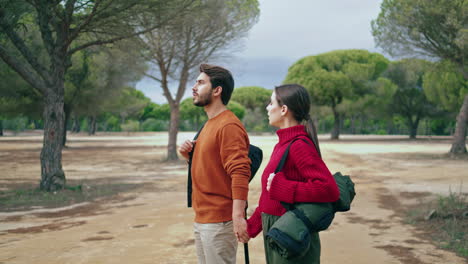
16, 124
445, 86
112, 123
236, 108
447, 224
84, 125
148, 111
454, 205
252, 97
152, 124
130, 126
195, 115
131, 103
442, 126
343, 80
334, 76
378, 103
189, 110
158, 112
256, 120
409, 100
16, 96
435, 28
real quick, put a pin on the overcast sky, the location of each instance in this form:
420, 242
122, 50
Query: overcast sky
289, 30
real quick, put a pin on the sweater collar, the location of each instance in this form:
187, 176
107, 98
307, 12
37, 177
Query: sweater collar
289, 133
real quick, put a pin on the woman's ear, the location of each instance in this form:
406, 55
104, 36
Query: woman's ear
284, 110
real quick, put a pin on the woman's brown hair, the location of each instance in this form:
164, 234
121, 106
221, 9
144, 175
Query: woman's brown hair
297, 99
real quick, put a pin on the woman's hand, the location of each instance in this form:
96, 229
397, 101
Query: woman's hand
270, 179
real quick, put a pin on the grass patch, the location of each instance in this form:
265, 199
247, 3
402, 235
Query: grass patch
29, 198
445, 221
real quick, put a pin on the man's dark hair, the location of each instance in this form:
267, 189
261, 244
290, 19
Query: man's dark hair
219, 76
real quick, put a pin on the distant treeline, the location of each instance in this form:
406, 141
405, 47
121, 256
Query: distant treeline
248, 103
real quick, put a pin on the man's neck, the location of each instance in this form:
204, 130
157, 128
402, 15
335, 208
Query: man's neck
214, 109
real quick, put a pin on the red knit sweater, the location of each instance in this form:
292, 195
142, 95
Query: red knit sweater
304, 178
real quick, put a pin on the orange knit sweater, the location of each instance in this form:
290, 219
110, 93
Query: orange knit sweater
220, 168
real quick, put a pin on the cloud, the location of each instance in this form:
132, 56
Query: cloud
289, 30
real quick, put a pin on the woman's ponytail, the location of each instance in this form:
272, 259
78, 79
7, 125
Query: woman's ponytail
312, 132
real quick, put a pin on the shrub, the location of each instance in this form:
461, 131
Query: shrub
16, 124
130, 126
152, 124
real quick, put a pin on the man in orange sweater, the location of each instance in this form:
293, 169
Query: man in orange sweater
220, 170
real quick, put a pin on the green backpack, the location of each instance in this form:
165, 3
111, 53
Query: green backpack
290, 234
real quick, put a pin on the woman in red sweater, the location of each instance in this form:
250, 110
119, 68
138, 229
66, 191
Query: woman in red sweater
304, 177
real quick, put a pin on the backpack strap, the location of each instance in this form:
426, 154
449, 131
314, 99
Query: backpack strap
285, 155
189, 180
287, 206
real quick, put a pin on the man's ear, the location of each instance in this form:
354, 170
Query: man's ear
217, 91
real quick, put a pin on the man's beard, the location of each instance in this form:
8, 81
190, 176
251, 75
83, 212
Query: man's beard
203, 100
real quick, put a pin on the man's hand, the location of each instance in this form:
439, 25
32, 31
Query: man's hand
239, 222
186, 148
240, 229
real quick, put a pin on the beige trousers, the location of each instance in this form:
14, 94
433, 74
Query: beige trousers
215, 243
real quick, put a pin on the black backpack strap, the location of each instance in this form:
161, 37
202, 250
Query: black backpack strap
285, 155
287, 206
189, 180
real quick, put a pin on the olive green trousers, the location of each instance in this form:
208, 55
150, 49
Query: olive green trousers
272, 257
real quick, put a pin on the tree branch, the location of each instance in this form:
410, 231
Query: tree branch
118, 38
22, 69
43, 17
69, 8
88, 19
21, 46
152, 77
108, 41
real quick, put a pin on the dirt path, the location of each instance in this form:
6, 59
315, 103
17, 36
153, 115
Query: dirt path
152, 225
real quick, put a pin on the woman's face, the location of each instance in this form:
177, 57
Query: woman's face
274, 111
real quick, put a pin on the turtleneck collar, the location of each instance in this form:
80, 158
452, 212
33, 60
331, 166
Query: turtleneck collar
289, 133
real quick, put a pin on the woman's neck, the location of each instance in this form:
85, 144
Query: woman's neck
288, 122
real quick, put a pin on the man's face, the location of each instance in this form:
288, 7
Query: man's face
202, 91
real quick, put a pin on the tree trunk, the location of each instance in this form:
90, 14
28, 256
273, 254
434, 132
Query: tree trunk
390, 127
1, 127
427, 128
362, 122
459, 138
336, 126
413, 132
352, 126
52, 175
67, 110
91, 125
173, 130
413, 127
76, 125
37, 124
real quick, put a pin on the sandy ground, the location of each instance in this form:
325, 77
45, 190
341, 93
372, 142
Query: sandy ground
152, 224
